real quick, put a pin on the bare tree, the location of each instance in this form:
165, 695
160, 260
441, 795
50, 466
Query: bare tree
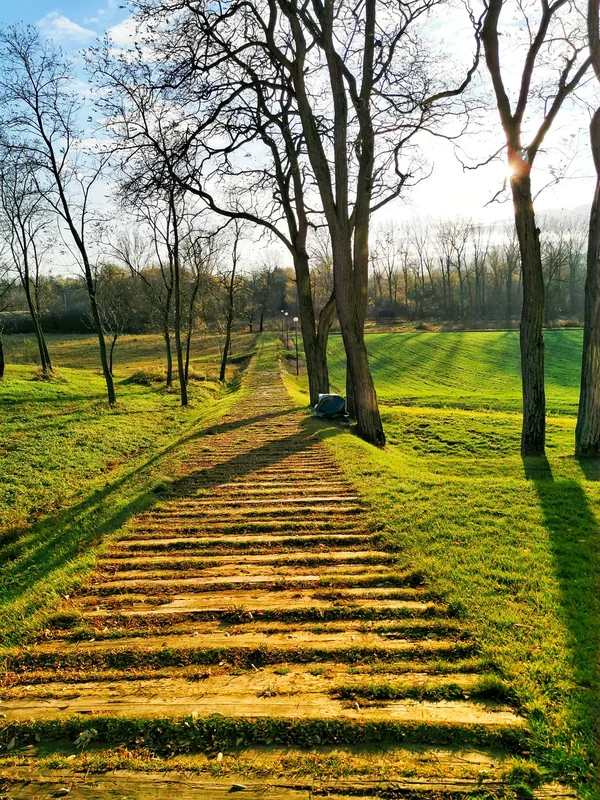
42, 115
348, 159
24, 223
136, 249
555, 46
113, 292
231, 283
243, 107
587, 432
200, 255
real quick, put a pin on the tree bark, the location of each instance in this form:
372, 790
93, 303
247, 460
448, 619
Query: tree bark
167, 338
37, 329
111, 354
110, 386
177, 322
188, 344
533, 434
587, 432
314, 341
361, 400
226, 345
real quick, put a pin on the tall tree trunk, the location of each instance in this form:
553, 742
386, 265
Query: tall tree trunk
351, 305
111, 354
587, 432
89, 280
2, 361
188, 345
167, 338
226, 346
315, 349
45, 346
533, 434
262, 321
177, 331
37, 329
174, 256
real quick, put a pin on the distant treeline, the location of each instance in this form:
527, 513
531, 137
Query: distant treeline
452, 271
460, 271
130, 303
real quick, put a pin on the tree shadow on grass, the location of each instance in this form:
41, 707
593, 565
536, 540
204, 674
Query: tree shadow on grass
54, 540
38, 555
574, 536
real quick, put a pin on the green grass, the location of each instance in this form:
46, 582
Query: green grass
513, 545
74, 469
473, 371
131, 352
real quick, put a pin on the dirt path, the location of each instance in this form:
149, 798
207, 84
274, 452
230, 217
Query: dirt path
254, 612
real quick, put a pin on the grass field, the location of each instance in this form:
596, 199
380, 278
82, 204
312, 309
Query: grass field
74, 469
514, 545
511, 546
472, 371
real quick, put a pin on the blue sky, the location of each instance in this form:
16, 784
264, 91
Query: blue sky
75, 24
72, 23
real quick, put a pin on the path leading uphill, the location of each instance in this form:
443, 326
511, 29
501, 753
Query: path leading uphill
254, 613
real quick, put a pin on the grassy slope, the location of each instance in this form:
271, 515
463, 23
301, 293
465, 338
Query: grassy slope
514, 545
465, 370
73, 469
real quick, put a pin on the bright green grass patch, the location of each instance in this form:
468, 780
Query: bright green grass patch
74, 469
132, 352
464, 370
513, 545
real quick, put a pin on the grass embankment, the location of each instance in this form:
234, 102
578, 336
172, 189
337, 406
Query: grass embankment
513, 545
74, 469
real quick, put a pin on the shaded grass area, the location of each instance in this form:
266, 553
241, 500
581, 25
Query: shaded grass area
474, 370
74, 470
513, 546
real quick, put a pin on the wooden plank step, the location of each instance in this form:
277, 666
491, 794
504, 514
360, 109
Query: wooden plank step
336, 556
248, 705
255, 602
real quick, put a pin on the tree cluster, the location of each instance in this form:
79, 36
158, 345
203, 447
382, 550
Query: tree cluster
300, 122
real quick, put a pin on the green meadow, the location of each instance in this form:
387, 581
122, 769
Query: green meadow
514, 545
73, 469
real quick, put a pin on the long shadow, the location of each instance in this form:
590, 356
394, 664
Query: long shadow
575, 541
56, 528
590, 468
57, 540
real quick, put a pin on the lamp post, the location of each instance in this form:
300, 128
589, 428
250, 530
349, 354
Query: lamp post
282, 321
287, 332
296, 337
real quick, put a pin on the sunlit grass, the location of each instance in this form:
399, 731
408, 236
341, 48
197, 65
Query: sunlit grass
74, 469
513, 545
464, 370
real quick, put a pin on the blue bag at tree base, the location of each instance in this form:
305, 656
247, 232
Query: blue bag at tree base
331, 406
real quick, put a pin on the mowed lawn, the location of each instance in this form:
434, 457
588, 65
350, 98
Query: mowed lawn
73, 469
513, 545
474, 371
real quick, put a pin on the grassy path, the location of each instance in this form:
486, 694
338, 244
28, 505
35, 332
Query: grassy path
249, 630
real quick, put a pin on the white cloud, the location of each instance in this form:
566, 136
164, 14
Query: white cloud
123, 34
61, 28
